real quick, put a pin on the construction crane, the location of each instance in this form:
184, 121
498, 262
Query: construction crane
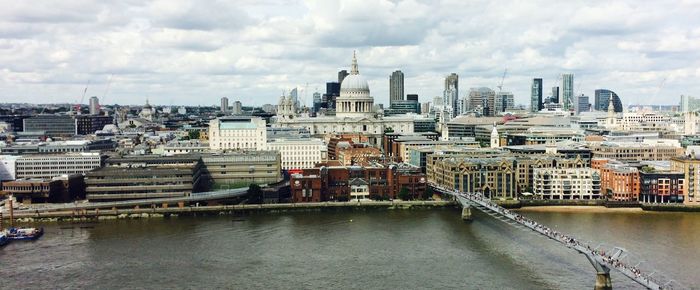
104, 95
500, 86
79, 105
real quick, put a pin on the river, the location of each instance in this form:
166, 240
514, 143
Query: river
375, 249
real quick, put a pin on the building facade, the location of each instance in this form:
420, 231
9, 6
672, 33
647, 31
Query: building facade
235, 133
396, 91
51, 125
567, 91
536, 103
566, 183
299, 153
53, 165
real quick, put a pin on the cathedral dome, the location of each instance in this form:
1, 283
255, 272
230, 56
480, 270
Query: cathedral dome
354, 83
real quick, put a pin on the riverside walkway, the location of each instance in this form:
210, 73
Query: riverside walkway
601, 260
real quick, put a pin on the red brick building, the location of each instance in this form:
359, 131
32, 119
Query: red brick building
342, 183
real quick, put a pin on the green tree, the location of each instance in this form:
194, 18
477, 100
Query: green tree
404, 194
255, 194
427, 194
194, 135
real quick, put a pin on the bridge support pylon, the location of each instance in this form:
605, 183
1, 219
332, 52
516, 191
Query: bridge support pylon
602, 281
467, 213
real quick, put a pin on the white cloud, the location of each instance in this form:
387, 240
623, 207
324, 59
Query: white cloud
187, 52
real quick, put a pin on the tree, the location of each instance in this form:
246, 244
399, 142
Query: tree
404, 194
427, 194
194, 135
255, 194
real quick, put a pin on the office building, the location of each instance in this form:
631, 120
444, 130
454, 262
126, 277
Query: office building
602, 99
51, 125
241, 168
299, 153
396, 87
536, 95
555, 95
567, 91
234, 133
52, 165
503, 102
94, 106
582, 104
89, 124
224, 105
482, 100
451, 93
149, 176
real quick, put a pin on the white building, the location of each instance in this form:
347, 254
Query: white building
570, 183
299, 153
50, 166
234, 133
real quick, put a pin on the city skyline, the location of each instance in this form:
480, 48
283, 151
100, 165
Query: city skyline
183, 53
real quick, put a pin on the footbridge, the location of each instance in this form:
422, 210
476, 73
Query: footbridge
603, 261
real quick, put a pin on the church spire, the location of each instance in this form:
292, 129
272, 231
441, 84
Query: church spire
354, 70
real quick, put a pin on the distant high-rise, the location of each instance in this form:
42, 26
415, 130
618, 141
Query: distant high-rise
482, 100
582, 104
396, 86
94, 106
237, 108
602, 99
567, 91
451, 93
294, 95
341, 75
503, 101
555, 95
536, 96
332, 93
224, 105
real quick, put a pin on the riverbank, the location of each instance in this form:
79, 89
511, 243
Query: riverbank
162, 212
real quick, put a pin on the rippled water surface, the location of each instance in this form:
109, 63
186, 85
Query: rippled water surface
386, 249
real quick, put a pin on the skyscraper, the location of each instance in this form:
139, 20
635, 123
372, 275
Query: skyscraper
567, 91
341, 76
294, 94
582, 104
602, 99
483, 100
237, 108
503, 101
224, 105
555, 95
536, 96
94, 106
451, 93
396, 86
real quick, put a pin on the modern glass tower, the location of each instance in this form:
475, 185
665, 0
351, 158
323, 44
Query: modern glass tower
567, 91
536, 96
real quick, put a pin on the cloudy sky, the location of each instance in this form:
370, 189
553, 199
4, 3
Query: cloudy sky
195, 52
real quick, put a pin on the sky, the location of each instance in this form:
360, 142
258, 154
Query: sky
181, 52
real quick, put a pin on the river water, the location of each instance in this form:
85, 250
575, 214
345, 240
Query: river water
377, 249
